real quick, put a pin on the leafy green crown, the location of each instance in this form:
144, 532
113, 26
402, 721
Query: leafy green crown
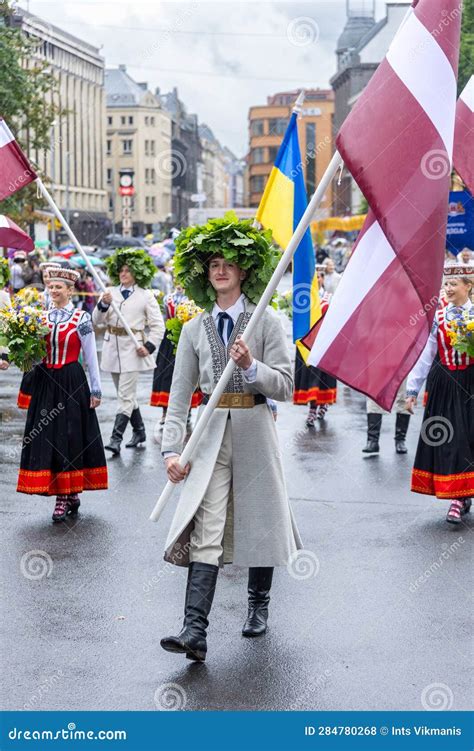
137, 260
229, 237
4, 272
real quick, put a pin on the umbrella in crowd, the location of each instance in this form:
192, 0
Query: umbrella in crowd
78, 260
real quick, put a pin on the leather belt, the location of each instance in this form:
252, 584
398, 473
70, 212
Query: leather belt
231, 400
119, 331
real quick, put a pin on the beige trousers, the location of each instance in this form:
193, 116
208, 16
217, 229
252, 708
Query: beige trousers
398, 405
126, 387
206, 543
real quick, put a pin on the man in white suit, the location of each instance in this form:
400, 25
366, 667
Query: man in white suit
120, 357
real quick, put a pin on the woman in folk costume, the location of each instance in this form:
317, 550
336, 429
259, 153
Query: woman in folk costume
233, 505
24, 393
62, 452
163, 373
131, 271
444, 461
312, 385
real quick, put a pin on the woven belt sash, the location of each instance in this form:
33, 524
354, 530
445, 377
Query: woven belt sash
237, 401
119, 331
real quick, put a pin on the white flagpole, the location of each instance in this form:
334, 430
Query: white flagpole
206, 414
81, 251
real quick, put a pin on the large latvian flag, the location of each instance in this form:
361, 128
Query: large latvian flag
463, 156
398, 144
283, 204
15, 170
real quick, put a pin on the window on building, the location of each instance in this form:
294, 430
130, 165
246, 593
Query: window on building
257, 183
108, 147
258, 156
147, 119
152, 148
127, 145
111, 202
277, 126
256, 127
130, 120
152, 121
310, 157
110, 120
152, 176
147, 176
123, 120
272, 153
153, 204
109, 176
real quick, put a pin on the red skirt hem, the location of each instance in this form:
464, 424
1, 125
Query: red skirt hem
46, 482
161, 399
315, 394
443, 486
23, 400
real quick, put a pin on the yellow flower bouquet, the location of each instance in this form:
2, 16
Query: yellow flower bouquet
461, 333
185, 311
22, 330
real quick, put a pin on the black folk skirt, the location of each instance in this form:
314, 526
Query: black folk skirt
163, 377
312, 384
444, 461
62, 450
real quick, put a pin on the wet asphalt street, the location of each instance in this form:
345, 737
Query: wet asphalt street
376, 615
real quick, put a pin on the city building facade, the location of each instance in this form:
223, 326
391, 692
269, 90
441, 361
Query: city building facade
138, 138
267, 125
74, 164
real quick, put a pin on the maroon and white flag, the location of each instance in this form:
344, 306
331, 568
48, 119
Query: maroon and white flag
15, 170
12, 236
397, 142
463, 156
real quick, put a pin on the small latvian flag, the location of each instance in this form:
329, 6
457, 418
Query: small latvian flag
15, 170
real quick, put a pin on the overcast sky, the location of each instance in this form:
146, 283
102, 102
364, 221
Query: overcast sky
224, 56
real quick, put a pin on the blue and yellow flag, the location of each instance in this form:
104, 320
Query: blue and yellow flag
283, 204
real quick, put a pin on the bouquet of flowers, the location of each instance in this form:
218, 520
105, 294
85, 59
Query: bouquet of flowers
4, 273
461, 332
28, 296
185, 311
285, 303
23, 331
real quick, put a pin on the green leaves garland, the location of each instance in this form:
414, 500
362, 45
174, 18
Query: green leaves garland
137, 260
234, 239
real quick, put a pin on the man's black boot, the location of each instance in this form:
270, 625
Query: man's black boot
401, 428
259, 585
121, 422
139, 434
200, 590
374, 424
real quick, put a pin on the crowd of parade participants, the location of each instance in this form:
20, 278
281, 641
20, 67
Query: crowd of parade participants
180, 347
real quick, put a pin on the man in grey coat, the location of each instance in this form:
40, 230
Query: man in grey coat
234, 505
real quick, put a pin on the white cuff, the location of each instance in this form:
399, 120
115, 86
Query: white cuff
250, 374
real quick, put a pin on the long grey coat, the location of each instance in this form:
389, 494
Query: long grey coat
260, 529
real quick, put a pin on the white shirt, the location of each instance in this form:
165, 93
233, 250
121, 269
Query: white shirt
422, 367
235, 310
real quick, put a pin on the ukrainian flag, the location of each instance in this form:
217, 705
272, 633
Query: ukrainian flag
283, 204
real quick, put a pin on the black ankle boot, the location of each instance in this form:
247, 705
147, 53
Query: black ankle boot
139, 435
374, 424
200, 590
121, 422
401, 427
260, 582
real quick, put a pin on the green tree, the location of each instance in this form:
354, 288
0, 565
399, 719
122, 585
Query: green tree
466, 57
28, 93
